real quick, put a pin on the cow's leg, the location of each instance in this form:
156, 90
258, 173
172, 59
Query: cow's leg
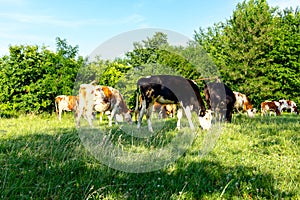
89, 113
179, 116
112, 115
78, 114
271, 113
188, 114
148, 117
141, 114
228, 115
100, 116
59, 113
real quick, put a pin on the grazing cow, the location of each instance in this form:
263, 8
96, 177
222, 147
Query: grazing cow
242, 101
101, 99
167, 89
288, 104
220, 99
271, 106
164, 110
65, 103
170, 109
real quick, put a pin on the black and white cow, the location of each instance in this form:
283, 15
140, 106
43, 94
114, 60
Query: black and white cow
167, 89
220, 99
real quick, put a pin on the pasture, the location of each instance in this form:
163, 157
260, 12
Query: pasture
42, 158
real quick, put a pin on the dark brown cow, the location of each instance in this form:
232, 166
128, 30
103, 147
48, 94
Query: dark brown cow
220, 99
167, 89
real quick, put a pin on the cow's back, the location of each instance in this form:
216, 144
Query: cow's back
173, 88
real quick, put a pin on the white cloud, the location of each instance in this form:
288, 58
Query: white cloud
282, 4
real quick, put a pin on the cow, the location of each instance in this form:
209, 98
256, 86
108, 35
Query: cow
168, 89
164, 110
243, 102
220, 99
270, 106
170, 109
65, 103
288, 104
103, 99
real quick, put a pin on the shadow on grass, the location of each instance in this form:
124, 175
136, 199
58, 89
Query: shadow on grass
56, 166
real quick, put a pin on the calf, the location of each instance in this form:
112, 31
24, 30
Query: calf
242, 101
288, 104
269, 106
65, 103
101, 99
220, 99
167, 89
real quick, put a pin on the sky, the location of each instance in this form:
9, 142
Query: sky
90, 23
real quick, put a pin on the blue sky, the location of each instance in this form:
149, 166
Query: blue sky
89, 23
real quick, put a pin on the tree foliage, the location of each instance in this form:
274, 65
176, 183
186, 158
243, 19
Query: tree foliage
31, 77
257, 50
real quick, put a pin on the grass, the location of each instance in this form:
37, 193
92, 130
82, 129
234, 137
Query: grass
41, 158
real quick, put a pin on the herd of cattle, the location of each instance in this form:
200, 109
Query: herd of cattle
166, 95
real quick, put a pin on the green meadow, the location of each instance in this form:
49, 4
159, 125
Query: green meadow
42, 158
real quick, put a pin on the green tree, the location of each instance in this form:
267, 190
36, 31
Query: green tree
285, 54
33, 76
249, 48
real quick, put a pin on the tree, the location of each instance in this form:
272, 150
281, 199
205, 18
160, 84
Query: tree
249, 48
285, 54
31, 77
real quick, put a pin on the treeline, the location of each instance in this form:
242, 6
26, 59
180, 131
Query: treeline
255, 52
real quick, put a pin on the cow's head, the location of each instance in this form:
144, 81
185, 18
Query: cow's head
296, 110
128, 117
251, 112
205, 118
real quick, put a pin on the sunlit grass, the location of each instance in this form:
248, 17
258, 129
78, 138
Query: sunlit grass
42, 158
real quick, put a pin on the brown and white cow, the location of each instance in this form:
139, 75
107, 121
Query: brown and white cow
164, 110
65, 103
167, 89
288, 105
243, 102
270, 106
101, 99
220, 99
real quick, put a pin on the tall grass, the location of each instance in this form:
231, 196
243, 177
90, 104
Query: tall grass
42, 158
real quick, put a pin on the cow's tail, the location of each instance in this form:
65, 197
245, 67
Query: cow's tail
137, 105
